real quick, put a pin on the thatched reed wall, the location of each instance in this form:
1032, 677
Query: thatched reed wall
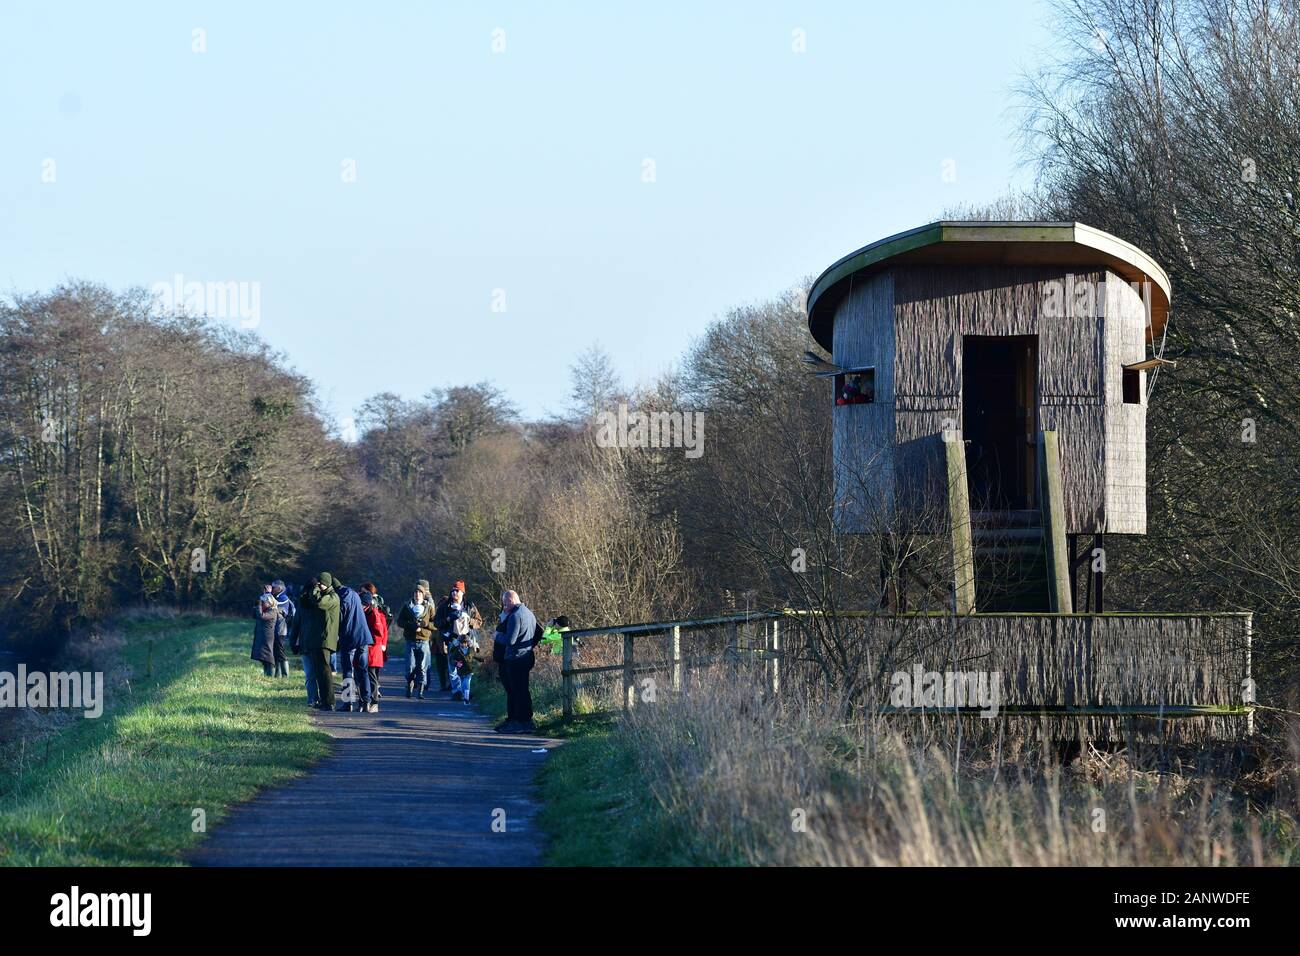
908, 321
864, 434
1182, 674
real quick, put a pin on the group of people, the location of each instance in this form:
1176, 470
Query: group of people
441, 640
334, 629
338, 629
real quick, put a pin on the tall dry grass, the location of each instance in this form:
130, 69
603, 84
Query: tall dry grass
792, 782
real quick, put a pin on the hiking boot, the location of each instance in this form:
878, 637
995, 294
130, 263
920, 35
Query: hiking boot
527, 727
419, 695
509, 727
373, 708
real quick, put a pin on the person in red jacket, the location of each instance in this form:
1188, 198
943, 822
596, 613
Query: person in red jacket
377, 621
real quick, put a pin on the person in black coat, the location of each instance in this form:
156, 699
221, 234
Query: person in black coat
266, 620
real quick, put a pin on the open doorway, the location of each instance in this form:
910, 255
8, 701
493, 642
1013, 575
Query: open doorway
999, 420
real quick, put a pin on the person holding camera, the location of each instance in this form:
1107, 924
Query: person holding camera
355, 641
319, 637
267, 649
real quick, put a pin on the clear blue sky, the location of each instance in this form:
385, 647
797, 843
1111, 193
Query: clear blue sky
475, 170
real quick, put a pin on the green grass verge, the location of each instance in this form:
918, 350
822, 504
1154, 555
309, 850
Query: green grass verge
199, 728
598, 808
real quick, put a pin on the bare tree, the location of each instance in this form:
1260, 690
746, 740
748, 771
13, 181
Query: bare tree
1177, 126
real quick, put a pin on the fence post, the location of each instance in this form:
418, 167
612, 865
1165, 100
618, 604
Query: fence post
775, 659
1052, 506
629, 675
676, 639
566, 664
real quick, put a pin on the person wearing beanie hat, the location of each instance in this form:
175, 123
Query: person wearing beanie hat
454, 618
355, 641
331, 583
284, 627
416, 621
320, 634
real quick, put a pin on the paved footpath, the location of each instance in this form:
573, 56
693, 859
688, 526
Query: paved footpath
417, 784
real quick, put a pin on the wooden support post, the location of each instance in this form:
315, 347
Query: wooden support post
629, 672
1072, 542
1099, 576
566, 664
675, 637
775, 673
1087, 594
901, 583
884, 572
1052, 501
963, 552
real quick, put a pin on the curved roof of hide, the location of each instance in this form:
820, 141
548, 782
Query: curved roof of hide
989, 243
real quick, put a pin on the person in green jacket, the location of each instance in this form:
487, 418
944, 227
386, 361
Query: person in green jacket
320, 633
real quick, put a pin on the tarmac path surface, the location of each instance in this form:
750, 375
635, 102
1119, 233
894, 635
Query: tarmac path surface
421, 783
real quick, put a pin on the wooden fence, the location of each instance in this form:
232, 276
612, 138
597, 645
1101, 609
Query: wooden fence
1086, 666
675, 664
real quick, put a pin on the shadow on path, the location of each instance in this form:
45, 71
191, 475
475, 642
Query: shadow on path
416, 784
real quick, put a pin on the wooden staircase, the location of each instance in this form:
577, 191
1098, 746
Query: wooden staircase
1011, 572
1009, 560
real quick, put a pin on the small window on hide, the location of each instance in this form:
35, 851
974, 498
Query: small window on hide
1132, 386
855, 387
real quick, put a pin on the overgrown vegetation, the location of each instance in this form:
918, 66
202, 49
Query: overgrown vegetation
724, 777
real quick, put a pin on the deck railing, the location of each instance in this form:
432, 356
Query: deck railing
1089, 664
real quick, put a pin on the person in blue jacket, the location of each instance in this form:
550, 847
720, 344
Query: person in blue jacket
354, 651
285, 626
516, 633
